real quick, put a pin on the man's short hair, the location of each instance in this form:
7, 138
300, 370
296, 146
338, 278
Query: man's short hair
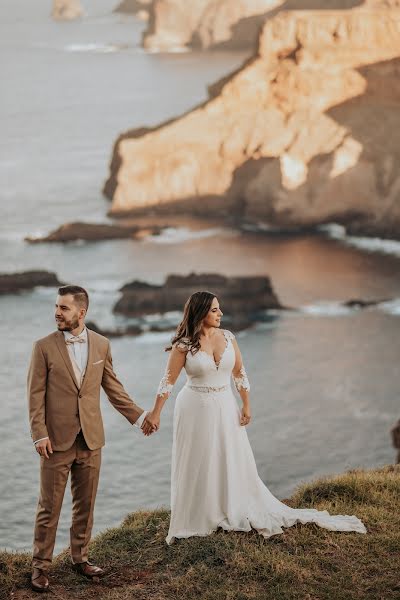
81, 297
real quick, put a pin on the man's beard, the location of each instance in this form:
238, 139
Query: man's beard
69, 325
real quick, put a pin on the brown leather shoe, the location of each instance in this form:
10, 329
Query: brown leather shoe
88, 570
39, 580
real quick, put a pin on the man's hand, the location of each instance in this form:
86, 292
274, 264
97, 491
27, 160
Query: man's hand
151, 423
44, 448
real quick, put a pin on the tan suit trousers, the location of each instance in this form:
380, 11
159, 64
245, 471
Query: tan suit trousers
84, 466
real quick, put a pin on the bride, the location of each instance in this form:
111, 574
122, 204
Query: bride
214, 476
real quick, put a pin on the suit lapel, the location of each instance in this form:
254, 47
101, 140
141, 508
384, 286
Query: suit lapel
64, 353
91, 343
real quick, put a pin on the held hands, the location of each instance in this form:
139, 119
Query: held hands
151, 423
44, 448
245, 417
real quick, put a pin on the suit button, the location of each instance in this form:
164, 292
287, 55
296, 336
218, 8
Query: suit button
80, 395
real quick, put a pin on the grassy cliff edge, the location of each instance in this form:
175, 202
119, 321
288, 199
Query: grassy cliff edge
305, 562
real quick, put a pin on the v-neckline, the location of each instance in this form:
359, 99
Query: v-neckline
212, 358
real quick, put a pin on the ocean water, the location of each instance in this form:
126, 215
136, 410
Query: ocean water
325, 378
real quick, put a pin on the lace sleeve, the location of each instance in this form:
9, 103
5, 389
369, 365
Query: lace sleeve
239, 374
183, 344
165, 386
174, 366
241, 380
228, 334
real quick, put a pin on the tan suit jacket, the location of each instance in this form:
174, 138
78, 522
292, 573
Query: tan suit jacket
59, 406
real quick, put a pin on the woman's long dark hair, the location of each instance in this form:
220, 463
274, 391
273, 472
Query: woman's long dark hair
189, 329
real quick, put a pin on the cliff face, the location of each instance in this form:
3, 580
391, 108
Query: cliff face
66, 9
223, 23
204, 23
305, 133
172, 23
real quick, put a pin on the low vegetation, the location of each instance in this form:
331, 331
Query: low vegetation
304, 563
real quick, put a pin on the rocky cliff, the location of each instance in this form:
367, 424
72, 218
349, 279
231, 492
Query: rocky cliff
222, 23
66, 9
205, 23
13, 283
304, 133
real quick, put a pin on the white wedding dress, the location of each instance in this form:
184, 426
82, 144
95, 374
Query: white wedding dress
214, 476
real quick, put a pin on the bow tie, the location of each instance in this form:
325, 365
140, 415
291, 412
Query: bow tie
72, 340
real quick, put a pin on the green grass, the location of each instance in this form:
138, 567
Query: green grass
304, 563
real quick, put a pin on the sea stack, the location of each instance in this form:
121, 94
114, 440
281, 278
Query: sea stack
206, 23
304, 134
66, 10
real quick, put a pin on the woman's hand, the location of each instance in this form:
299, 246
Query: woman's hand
245, 417
151, 422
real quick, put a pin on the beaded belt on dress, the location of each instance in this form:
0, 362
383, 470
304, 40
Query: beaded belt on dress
208, 388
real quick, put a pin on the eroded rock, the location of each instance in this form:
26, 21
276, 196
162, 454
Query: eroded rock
360, 303
93, 232
210, 24
243, 299
13, 283
306, 133
66, 10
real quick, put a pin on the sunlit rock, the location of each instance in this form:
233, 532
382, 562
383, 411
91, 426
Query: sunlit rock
66, 9
304, 134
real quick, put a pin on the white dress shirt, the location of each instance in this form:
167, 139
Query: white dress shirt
78, 353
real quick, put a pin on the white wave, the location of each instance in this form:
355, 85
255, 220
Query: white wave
174, 50
334, 230
176, 235
37, 234
392, 307
365, 413
173, 315
375, 245
327, 308
94, 47
370, 244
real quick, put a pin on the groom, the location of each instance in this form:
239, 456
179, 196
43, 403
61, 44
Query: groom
67, 369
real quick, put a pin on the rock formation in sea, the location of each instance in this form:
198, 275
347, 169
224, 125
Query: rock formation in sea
93, 232
243, 299
305, 133
205, 23
360, 303
132, 330
134, 6
66, 9
219, 23
13, 283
